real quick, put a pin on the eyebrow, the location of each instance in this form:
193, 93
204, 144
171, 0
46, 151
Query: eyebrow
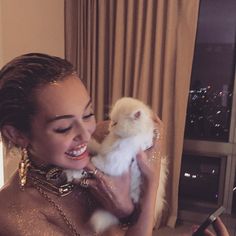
67, 116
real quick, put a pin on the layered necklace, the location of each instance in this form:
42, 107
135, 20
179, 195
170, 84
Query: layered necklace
52, 179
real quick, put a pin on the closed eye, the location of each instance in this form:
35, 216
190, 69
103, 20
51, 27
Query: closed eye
62, 130
88, 116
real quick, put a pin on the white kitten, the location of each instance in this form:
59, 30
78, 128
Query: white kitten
131, 130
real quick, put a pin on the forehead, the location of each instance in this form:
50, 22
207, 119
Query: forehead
63, 97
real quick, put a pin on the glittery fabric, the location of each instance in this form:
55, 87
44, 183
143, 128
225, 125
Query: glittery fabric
27, 212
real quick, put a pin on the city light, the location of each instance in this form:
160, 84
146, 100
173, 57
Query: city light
187, 175
208, 114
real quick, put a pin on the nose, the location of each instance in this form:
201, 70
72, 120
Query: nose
83, 133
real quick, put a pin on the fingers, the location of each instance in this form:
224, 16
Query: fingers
88, 183
100, 188
205, 233
153, 154
92, 170
220, 228
96, 179
156, 119
158, 134
95, 187
208, 233
148, 162
158, 123
84, 183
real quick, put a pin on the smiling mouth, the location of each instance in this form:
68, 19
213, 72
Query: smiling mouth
78, 152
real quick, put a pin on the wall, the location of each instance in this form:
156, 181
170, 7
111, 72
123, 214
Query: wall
29, 26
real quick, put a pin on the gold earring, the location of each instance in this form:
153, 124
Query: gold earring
23, 167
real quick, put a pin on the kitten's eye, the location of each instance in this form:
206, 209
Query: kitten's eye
85, 117
62, 130
113, 123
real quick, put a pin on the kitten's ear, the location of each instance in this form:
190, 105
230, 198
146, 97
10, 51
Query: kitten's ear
136, 115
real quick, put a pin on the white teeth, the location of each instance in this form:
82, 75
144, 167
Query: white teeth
79, 151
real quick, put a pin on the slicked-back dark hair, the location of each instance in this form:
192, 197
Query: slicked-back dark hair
18, 81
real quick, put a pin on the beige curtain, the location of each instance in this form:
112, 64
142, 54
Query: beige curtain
139, 48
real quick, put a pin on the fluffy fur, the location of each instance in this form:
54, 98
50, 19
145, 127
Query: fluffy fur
131, 129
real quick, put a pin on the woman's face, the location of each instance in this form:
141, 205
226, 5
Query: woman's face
63, 125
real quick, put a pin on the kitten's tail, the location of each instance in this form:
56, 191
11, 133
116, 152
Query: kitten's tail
101, 220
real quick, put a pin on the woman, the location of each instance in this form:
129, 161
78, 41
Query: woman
46, 112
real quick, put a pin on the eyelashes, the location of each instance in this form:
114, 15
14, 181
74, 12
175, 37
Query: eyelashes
62, 130
88, 116
65, 130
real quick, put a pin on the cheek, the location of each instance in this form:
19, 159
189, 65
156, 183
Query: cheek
55, 145
91, 126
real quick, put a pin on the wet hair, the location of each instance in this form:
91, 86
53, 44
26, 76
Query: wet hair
19, 79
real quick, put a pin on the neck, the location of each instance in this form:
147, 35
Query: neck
49, 177
40, 164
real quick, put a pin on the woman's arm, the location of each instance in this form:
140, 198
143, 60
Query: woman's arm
149, 163
145, 223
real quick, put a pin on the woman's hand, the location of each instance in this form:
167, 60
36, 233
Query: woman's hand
219, 228
150, 161
113, 192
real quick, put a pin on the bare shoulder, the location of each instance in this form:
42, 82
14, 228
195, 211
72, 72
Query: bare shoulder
23, 212
10, 202
13, 199
9, 192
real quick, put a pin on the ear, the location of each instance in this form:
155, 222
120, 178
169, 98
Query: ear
15, 136
137, 115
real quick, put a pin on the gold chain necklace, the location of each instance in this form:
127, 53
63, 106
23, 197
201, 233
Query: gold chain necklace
42, 184
61, 190
41, 180
59, 210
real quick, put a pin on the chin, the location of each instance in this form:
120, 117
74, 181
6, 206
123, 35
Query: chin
78, 164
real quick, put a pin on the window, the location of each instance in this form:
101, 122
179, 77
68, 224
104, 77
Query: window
209, 157
202, 179
212, 79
